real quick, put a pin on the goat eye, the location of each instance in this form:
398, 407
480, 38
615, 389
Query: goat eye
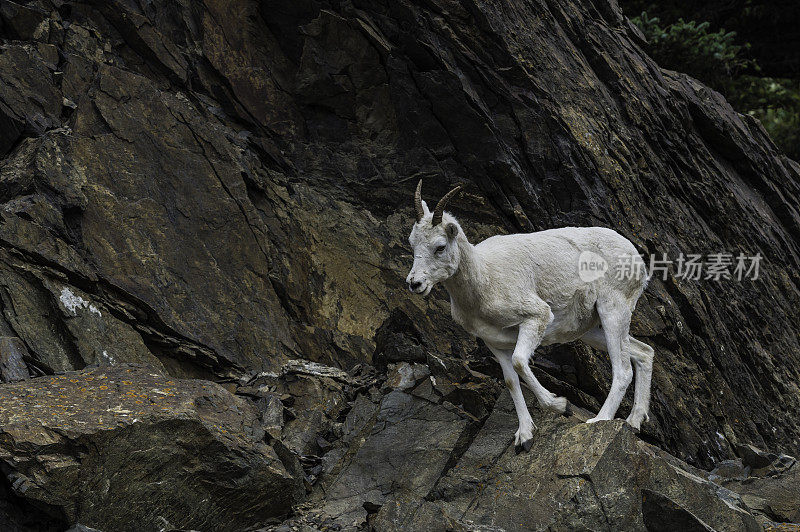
440, 250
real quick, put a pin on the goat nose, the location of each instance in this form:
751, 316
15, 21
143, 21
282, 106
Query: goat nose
414, 284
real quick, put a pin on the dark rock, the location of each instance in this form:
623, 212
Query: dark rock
662, 514
18, 515
271, 415
754, 457
730, 469
12, 359
32, 103
398, 340
287, 399
409, 444
576, 476
113, 446
397, 514
82, 528
773, 498
24, 22
315, 394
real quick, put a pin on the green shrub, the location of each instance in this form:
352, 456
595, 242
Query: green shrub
776, 103
717, 60
713, 57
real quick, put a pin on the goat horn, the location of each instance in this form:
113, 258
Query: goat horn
439, 210
418, 201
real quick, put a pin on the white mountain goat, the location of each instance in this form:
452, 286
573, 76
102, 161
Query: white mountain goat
517, 292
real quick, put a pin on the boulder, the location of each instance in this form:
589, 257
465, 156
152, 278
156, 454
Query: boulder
771, 487
116, 446
577, 476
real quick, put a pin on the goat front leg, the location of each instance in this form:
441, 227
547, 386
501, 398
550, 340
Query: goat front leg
528, 339
524, 436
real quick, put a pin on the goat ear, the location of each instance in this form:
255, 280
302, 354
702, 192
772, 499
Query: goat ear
450, 230
425, 209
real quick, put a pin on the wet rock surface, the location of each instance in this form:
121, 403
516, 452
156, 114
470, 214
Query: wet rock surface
220, 191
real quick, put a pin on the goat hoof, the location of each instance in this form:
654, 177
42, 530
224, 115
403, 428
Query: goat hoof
636, 425
524, 446
567, 410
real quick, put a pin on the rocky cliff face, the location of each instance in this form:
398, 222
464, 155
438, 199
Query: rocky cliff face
221, 191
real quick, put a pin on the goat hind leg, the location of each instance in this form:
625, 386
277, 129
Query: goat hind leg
615, 317
642, 357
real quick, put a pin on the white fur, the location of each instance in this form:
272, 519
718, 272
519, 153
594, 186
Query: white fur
517, 292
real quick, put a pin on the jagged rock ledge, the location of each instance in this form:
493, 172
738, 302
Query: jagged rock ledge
111, 446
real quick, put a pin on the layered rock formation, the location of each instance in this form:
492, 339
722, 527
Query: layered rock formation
221, 191
125, 447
